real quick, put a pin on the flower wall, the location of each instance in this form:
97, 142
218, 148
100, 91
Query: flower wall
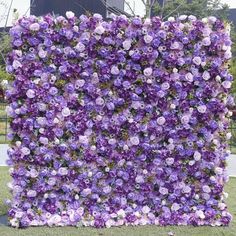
120, 122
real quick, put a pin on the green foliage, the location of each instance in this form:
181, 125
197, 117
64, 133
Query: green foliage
198, 8
233, 72
5, 47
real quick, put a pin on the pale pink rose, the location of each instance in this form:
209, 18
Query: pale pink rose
197, 60
185, 119
186, 189
42, 53
80, 47
206, 41
30, 93
16, 64
25, 151
79, 83
163, 190
134, 140
31, 193
63, 171
148, 38
99, 101
65, 112
85, 192
147, 71
127, 44
83, 139
175, 207
197, 156
206, 75
201, 108
165, 86
34, 27
161, 120
170, 161
226, 84
139, 179
189, 77
99, 30
206, 189
115, 70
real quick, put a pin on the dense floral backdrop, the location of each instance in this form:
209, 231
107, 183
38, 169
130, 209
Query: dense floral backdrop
120, 122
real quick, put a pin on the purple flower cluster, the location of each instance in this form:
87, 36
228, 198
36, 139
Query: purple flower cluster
119, 123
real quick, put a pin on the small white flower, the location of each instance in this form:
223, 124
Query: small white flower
186, 189
65, 112
70, 14
54, 220
185, 119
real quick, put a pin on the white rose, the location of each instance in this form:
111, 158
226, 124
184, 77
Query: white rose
80, 47
197, 156
34, 27
161, 120
127, 44
147, 71
70, 14
148, 38
99, 30
201, 108
65, 112
206, 75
